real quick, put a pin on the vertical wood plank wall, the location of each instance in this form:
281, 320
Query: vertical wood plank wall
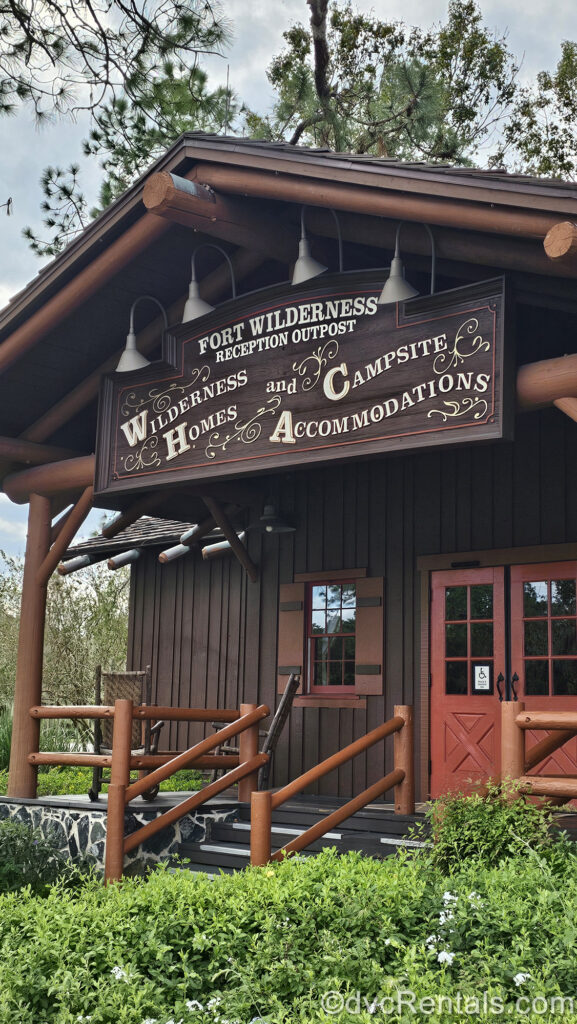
210, 635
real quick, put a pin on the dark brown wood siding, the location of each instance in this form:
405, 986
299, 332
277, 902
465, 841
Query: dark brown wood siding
210, 635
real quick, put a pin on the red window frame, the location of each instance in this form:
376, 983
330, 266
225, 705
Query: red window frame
328, 690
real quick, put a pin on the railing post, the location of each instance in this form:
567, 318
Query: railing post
260, 827
248, 748
512, 741
119, 780
405, 760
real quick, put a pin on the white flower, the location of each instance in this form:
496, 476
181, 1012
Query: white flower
431, 942
150, 1020
84, 1020
193, 1004
119, 973
446, 915
475, 897
520, 978
387, 942
444, 957
449, 897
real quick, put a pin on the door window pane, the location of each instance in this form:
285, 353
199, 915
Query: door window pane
456, 603
482, 601
481, 639
563, 597
456, 640
456, 677
537, 678
536, 639
563, 636
565, 678
535, 599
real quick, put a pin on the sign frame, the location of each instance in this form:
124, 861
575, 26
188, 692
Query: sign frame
417, 315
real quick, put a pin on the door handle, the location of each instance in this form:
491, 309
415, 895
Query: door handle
500, 680
514, 679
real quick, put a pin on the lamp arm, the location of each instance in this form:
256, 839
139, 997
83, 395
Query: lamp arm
152, 298
339, 233
211, 245
433, 250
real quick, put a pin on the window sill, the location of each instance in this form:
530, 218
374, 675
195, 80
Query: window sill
313, 700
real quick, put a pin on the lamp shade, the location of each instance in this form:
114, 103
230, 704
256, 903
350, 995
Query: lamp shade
306, 266
272, 522
131, 358
195, 306
396, 289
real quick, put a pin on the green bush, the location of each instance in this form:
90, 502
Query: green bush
27, 858
67, 781
488, 827
268, 943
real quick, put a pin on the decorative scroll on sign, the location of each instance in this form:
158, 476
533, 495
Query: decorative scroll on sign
283, 378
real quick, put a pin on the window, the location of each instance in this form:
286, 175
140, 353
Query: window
330, 632
331, 637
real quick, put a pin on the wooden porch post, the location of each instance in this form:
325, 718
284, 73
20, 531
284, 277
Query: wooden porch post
260, 827
512, 741
28, 686
405, 759
248, 748
119, 781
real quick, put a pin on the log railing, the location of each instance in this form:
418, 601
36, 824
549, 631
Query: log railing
517, 761
264, 802
242, 768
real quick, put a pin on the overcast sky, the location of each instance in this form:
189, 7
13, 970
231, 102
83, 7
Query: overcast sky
535, 31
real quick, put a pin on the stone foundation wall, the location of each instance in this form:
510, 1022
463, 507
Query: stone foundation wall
79, 832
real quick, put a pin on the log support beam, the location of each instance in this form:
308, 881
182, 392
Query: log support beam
238, 548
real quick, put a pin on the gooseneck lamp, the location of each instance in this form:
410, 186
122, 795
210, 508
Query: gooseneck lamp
272, 522
195, 306
131, 358
306, 266
396, 288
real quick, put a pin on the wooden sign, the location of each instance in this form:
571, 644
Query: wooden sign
286, 377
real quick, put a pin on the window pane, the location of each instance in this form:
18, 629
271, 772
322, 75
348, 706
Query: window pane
320, 673
481, 639
348, 622
534, 599
563, 597
482, 601
333, 622
336, 649
564, 636
319, 622
319, 597
335, 673
456, 679
536, 638
565, 677
537, 678
349, 679
456, 641
333, 596
321, 649
456, 603
350, 648
349, 595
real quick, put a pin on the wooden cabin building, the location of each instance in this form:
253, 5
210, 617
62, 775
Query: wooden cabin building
413, 460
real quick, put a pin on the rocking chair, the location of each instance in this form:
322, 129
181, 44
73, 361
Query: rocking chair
112, 686
269, 738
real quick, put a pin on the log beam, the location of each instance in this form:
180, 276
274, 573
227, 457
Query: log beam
241, 221
14, 449
560, 244
238, 548
546, 382
376, 200
50, 479
67, 533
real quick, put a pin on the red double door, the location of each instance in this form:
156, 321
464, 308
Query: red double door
509, 630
